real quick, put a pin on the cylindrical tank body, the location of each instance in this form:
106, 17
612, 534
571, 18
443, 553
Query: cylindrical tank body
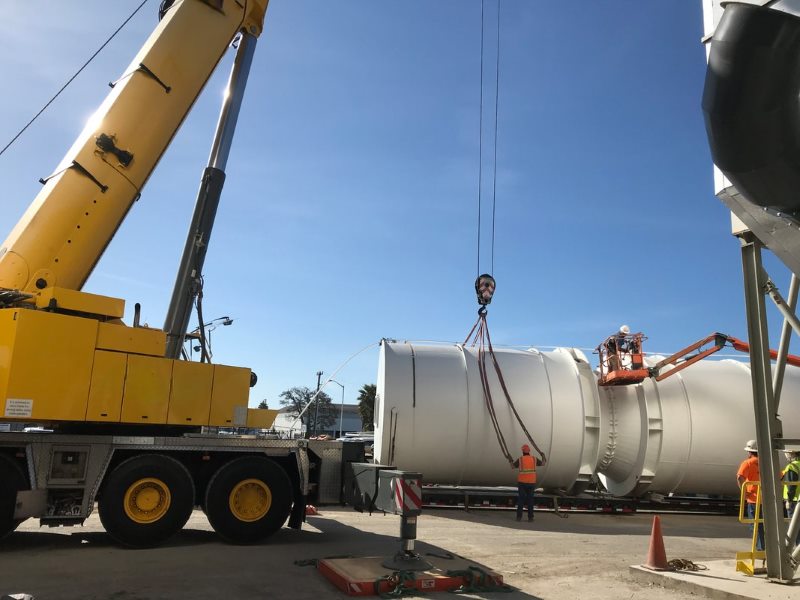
684, 434
431, 414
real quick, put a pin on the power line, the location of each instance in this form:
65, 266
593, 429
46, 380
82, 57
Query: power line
71, 79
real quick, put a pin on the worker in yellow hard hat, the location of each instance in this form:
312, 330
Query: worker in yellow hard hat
526, 481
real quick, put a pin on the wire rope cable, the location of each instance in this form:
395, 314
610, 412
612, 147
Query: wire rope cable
480, 135
71, 79
496, 104
480, 148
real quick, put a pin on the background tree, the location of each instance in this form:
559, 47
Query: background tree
366, 405
263, 404
297, 397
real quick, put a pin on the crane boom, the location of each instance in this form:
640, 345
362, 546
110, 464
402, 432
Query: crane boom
73, 360
128, 415
66, 229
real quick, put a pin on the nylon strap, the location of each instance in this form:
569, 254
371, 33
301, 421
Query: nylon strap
479, 335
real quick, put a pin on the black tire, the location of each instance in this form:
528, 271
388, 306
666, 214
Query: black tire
146, 499
12, 480
248, 499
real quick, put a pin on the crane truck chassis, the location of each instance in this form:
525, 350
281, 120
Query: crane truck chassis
147, 486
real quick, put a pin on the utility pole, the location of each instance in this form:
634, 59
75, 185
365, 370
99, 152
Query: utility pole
316, 402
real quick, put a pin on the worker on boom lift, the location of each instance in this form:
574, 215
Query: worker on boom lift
526, 481
748, 471
616, 345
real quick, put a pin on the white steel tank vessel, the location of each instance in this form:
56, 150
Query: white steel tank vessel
684, 434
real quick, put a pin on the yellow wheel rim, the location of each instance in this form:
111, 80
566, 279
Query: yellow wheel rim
147, 500
250, 500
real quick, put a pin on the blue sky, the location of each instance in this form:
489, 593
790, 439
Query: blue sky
350, 207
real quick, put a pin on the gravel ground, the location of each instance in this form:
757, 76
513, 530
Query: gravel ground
585, 556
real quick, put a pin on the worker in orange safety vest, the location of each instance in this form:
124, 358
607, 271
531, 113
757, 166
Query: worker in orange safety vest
748, 471
526, 481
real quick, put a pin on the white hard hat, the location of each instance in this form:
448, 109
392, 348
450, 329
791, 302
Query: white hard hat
624, 329
752, 446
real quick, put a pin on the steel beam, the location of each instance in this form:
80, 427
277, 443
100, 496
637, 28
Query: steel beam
786, 336
780, 566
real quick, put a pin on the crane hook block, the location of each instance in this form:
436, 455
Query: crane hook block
484, 288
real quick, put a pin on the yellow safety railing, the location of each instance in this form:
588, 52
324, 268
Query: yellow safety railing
746, 561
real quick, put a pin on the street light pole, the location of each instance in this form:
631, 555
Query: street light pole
341, 407
316, 403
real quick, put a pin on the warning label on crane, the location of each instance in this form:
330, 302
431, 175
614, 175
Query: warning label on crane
18, 407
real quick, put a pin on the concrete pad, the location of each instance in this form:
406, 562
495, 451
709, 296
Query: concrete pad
720, 582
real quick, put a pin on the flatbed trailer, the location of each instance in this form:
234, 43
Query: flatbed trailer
505, 498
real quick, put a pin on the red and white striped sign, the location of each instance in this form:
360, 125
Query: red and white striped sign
407, 494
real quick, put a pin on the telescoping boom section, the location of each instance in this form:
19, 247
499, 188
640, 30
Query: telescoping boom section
65, 355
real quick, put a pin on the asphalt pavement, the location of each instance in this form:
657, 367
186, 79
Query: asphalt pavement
584, 556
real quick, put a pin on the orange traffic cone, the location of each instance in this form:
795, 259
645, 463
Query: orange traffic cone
656, 555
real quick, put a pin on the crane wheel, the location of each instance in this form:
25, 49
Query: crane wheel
248, 499
146, 499
12, 480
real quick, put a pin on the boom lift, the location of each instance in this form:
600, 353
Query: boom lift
126, 412
622, 358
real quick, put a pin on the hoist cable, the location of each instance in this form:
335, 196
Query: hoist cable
480, 134
480, 150
496, 103
71, 79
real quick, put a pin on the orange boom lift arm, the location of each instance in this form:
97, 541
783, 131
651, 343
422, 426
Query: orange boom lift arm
623, 364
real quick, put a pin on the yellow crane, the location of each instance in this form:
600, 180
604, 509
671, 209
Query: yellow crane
123, 406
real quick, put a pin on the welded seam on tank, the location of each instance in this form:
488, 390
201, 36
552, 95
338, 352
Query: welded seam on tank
581, 390
611, 443
644, 440
552, 408
652, 464
466, 385
689, 426
413, 377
